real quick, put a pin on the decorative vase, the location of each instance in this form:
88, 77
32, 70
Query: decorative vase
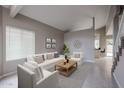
67, 61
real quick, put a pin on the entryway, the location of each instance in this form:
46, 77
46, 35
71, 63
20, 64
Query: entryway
109, 44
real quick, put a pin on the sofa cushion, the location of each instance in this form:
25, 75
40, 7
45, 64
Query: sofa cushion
33, 63
50, 56
46, 73
38, 59
36, 65
76, 59
50, 62
34, 69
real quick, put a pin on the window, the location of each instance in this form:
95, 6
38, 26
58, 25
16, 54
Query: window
97, 37
19, 43
109, 47
96, 44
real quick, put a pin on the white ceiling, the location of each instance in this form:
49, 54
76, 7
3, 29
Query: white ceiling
68, 17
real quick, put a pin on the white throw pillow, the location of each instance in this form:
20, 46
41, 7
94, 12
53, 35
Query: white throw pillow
34, 69
50, 56
38, 59
77, 55
33, 63
36, 65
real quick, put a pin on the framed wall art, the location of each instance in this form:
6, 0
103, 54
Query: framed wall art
50, 43
48, 40
48, 46
53, 46
53, 40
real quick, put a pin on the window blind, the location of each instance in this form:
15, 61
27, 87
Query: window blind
19, 43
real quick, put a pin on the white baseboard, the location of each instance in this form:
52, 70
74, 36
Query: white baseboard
8, 74
117, 80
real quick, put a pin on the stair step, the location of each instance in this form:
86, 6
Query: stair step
122, 57
122, 42
117, 56
114, 64
115, 61
120, 50
113, 68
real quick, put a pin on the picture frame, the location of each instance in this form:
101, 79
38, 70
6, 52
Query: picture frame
53, 40
48, 46
50, 43
53, 46
48, 40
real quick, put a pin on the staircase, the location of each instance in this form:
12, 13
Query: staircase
118, 60
118, 54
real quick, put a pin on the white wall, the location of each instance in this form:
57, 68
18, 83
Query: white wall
102, 33
86, 39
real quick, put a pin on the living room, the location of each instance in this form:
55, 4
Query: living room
57, 42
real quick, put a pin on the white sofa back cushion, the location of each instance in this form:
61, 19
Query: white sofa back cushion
30, 58
40, 67
77, 54
43, 55
36, 70
50, 56
38, 59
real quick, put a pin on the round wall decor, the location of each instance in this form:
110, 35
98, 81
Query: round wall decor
77, 44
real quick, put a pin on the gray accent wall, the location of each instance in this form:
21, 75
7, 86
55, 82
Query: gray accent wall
84, 39
42, 31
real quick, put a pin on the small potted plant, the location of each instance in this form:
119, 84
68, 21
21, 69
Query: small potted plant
66, 52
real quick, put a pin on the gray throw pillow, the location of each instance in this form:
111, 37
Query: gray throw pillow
43, 57
56, 55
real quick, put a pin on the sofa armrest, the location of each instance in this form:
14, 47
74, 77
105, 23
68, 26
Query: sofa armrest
51, 81
25, 77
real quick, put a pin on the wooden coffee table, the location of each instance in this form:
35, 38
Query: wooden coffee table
66, 69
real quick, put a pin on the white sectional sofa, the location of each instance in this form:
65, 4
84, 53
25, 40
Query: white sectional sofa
46, 62
50, 62
34, 73
78, 56
27, 78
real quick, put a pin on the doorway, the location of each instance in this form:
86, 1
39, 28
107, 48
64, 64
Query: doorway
109, 48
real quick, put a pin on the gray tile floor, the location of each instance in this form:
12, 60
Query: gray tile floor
100, 75
9, 82
89, 75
